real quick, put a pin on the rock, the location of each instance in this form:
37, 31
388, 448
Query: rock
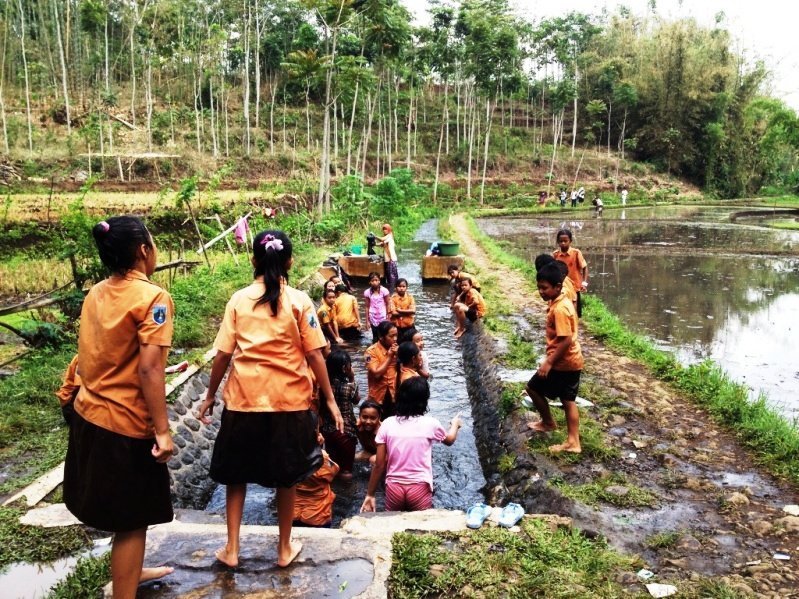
617, 420
668, 460
689, 543
693, 483
617, 490
756, 569
51, 516
792, 510
626, 578
742, 588
737, 499
192, 423
789, 523
680, 564
639, 444
761, 527
618, 431
436, 570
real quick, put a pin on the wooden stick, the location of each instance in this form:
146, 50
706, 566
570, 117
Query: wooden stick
221, 235
227, 239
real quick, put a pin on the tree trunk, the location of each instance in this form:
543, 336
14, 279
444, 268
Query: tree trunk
149, 96
489, 114
3, 80
410, 121
352, 125
438, 160
27, 78
258, 33
273, 92
246, 80
471, 147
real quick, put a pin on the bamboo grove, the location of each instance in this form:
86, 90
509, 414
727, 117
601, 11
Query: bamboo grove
354, 87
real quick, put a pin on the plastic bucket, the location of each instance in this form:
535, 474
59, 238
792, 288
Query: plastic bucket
449, 248
357, 249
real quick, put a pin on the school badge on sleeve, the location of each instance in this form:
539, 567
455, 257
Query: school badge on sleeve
159, 314
312, 321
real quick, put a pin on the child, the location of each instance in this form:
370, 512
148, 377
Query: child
562, 198
348, 317
314, 504
568, 287
578, 267
404, 451
598, 205
377, 300
413, 335
381, 367
69, 390
456, 275
403, 308
470, 304
409, 360
624, 193
341, 445
389, 255
327, 316
268, 430
329, 284
559, 374
367, 426
115, 473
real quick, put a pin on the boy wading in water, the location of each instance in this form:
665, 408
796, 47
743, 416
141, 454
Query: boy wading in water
559, 374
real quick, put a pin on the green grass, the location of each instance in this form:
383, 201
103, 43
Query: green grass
593, 440
493, 562
788, 225
596, 492
86, 581
664, 540
20, 543
521, 353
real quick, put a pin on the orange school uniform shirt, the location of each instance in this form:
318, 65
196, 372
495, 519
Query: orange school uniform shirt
326, 314
269, 371
562, 322
576, 263
346, 310
378, 385
474, 298
407, 373
569, 290
314, 500
71, 383
403, 303
118, 315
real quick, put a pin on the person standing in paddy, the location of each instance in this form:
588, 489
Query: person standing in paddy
115, 473
389, 256
268, 434
578, 267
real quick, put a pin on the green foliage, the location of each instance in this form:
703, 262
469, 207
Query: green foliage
495, 562
86, 581
77, 241
664, 540
21, 543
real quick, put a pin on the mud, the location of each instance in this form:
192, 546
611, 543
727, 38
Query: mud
726, 511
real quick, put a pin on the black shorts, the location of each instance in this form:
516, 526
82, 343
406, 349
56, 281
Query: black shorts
112, 482
471, 313
579, 305
559, 384
271, 449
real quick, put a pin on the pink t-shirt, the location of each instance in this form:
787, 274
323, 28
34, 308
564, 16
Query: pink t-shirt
409, 447
377, 305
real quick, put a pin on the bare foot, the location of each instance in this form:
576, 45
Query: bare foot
295, 548
227, 557
148, 574
345, 476
539, 427
565, 447
459, 332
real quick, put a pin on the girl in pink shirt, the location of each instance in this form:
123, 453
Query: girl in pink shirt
405, 451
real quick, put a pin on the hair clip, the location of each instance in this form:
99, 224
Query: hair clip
272, 242
104, 226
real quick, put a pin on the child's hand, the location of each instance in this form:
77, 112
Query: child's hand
339, 340
206, 406
369, 504
543, 370
456, 421
393, 349
163, 447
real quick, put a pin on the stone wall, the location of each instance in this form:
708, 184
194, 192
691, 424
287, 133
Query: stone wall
191, 487
499, 434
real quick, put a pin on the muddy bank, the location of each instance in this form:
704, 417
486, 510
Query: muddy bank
712, 512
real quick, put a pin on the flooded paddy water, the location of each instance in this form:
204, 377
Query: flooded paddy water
702, 282
456, 469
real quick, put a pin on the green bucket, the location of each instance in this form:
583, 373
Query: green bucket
449, 248
357, 250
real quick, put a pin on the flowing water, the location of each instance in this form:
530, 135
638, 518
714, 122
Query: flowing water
456, 469
703, 282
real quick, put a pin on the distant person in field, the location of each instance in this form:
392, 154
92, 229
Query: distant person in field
559, 374
574, 260
624, 196
389, 256
562, 198
598, 205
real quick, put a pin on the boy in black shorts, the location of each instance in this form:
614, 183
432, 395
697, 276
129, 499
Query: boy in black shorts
559, 374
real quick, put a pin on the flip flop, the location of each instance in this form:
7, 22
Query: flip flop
526, 401
477, 514
510, 515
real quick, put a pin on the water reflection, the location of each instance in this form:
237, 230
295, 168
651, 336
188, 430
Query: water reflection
693, 281
456, 469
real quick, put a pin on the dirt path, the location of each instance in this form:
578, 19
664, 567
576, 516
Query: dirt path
718, 514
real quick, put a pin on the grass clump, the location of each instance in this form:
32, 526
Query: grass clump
507, 462
493, 562
593, 440
21, 543
597, 492
521, 353
663, 540
509, 401
87, 580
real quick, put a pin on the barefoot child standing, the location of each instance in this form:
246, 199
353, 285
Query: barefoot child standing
268, 431
575, 262
559, 374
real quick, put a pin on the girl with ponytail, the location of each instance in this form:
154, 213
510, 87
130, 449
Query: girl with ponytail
268, 430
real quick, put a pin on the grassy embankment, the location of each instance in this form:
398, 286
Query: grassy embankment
773, 440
